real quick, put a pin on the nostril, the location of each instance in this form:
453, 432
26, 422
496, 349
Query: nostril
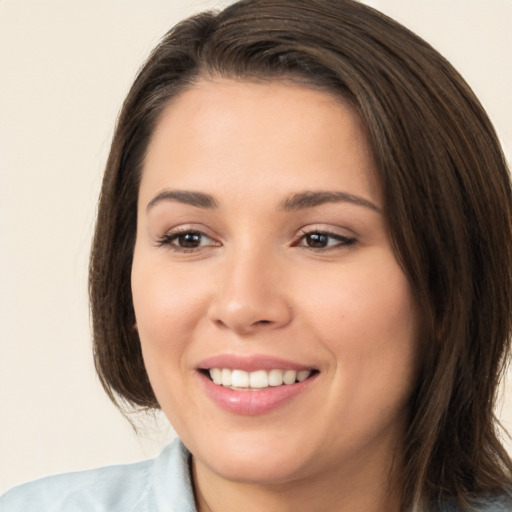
220, 323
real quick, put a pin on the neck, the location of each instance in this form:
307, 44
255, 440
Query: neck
365, 487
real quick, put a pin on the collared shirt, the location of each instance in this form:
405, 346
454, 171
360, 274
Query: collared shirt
162, 484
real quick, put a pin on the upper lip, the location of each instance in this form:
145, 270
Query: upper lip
251, 363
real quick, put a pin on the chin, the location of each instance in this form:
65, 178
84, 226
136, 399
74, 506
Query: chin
258, 470
260, 460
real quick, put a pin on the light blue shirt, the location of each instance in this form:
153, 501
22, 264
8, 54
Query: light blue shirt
162, 484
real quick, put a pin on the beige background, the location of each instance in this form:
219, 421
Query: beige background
64, 69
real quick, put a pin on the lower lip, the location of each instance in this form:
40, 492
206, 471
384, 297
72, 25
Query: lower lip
252, 403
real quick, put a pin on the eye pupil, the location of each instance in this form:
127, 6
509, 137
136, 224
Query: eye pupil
317, 240
189, 239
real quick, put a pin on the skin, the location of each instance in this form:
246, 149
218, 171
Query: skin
256, 283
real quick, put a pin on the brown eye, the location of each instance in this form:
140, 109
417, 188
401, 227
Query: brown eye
316, 240
189, 240
320, 240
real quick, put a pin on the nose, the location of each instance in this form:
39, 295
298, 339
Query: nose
251, 296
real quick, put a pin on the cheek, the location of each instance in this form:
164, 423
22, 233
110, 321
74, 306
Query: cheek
367, 318
375, 341
167, 305
368, 303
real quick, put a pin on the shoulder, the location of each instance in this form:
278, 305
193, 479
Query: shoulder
94, 490
496, 503
502, 503
128, 487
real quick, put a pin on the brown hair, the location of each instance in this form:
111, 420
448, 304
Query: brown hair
447, 202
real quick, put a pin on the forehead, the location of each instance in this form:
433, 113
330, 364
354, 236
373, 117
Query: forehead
222, 129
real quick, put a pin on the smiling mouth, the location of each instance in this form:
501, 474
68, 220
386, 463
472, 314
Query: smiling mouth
241, 380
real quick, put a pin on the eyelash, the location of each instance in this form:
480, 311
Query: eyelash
170, 239
340, 240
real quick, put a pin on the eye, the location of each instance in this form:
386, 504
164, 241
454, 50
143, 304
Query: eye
186, 240
321, 240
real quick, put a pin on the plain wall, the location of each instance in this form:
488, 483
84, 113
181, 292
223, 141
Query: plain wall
64, 70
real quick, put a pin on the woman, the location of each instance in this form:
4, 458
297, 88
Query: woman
302, 255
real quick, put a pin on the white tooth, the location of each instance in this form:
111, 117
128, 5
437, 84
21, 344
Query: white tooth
275, 377
258, 379
216, 375
289, 376
227, 377
303, 375
239, 379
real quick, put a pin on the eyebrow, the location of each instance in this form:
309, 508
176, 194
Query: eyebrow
197, 199
305, 200
299, 201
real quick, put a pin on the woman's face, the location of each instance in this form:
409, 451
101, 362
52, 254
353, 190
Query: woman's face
262, 254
